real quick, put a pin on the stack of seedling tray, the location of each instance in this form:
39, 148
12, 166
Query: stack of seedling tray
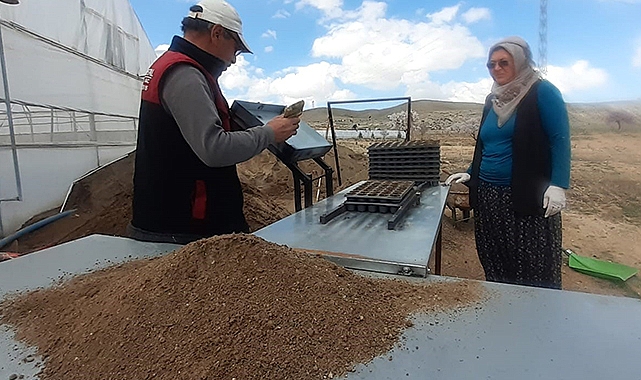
418, 161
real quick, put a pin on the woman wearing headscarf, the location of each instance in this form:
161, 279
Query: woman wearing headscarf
520, 171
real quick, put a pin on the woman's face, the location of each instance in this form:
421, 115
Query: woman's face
501, 66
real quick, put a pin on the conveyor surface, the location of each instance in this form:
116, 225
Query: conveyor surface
364, 236
517, 333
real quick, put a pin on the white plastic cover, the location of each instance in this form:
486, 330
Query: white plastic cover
74, 70
84, 55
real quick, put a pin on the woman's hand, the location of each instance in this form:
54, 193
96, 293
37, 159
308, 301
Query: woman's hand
457, 178
553, 200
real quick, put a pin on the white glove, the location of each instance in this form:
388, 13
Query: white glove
457, 178
553, 200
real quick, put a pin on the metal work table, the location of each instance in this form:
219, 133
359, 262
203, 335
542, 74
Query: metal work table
43, 268
361, 240
517, 333
520, 333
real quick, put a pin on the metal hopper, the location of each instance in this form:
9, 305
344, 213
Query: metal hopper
306, 144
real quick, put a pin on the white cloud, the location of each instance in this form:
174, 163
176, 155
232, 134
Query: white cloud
474, 92
473, 15
269, 49
445, 15
269, 34
579, 76
367, 49
378, 53
298, 82
331, 8
281, 13
636, 59
161, 49
342, 95
467, 92
368, 11
314, 83
237, 75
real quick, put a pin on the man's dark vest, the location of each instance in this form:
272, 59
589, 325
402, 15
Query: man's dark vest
174, 191
531, 157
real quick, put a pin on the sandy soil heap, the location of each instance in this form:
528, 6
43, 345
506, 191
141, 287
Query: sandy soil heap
232, 306
103, 200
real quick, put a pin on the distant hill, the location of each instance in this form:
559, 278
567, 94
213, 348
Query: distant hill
615, 116
458, 116
319, 114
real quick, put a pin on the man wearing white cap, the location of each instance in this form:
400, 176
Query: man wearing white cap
185, 182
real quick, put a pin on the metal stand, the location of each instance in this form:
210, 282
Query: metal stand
301, 177
330, 118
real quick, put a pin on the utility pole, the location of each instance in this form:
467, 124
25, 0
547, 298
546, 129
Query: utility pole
543, 37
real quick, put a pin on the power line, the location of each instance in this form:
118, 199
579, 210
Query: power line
543, 37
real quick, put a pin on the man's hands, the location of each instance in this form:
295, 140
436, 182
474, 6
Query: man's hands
457, 178
294, 110
553, 200
283, 127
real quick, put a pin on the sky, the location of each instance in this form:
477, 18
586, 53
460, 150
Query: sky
337, 50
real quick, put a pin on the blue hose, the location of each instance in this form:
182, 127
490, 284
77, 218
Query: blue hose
20, 233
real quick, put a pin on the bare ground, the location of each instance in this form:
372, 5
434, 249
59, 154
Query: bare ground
602, 221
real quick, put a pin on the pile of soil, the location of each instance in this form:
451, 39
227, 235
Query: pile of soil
102, 200
232, 306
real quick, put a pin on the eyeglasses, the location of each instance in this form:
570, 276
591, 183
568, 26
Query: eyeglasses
239, 44
502, 64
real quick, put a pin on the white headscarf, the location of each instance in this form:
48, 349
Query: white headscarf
508, 96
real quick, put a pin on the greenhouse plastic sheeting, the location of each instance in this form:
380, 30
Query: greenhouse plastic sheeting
85, 55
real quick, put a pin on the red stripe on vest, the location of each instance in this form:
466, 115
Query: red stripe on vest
151, 83
199, 203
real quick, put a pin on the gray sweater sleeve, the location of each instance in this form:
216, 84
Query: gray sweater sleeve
187, 97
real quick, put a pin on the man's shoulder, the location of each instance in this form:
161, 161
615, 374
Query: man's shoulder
184, 75
182, 81
184, 69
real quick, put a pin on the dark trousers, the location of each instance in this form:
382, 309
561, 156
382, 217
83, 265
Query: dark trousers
157, 237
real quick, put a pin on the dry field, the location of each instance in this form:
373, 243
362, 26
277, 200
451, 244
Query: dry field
603, 218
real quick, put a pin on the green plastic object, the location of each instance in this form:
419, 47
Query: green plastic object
599, 268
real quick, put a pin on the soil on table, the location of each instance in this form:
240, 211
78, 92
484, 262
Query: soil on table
227, 307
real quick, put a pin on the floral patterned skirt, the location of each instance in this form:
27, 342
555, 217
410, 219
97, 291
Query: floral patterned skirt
512, 248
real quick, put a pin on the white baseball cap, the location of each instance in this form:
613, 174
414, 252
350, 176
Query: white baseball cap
222, 13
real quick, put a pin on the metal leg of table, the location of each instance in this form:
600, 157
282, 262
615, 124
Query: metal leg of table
439, 243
